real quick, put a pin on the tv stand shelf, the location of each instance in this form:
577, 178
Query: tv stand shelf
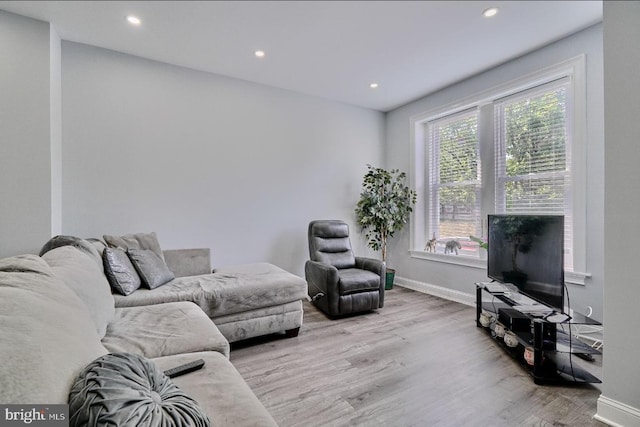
550, 347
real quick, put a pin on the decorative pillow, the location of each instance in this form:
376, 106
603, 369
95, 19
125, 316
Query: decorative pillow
124, 389
122, 275
136, 241
152, 270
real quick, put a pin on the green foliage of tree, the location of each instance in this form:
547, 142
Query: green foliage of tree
458, 162
384, 206
535, 144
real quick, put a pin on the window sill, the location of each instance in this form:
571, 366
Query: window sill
576, 277
571, 277
462, 260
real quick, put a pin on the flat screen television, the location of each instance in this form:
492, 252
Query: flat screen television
528, 252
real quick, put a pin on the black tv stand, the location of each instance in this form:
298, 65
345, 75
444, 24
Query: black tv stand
552, 347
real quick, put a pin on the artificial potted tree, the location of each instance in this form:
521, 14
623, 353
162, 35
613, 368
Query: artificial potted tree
384, 208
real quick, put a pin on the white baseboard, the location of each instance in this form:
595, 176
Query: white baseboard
617, 414
435, 290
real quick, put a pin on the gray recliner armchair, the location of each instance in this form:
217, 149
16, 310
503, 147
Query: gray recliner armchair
340, 282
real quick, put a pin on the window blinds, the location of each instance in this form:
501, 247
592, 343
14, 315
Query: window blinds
532, 155
454, 176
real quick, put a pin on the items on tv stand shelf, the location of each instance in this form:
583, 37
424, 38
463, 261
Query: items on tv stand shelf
533, 337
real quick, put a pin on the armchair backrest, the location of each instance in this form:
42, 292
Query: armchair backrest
329, 243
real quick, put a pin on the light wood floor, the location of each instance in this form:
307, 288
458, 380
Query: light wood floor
419, 361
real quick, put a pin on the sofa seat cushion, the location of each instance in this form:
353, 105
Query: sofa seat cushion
352, 280
229, 290
163, 330
220, 390
47, 335
128, 390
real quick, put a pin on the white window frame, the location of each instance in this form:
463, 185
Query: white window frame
574, 70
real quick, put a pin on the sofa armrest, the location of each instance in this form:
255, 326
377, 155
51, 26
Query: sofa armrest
188, 262
378, 267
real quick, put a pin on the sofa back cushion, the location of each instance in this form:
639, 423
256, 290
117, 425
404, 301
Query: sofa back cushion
80, 272
47, 336
136, 241
86, 246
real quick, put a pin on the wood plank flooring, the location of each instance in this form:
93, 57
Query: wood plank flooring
419, 361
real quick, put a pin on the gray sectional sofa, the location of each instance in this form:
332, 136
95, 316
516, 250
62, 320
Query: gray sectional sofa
58, 315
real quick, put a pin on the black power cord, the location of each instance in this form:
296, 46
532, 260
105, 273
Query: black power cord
566, 291
561, 323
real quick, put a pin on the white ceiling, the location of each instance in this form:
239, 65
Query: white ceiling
330, 49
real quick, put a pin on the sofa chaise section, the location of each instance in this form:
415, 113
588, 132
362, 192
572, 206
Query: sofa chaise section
244, 301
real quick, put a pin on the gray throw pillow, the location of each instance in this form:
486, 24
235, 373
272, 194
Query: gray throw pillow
124, 389
152, 270
122, 275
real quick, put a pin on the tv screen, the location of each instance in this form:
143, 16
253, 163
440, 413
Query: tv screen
528, 252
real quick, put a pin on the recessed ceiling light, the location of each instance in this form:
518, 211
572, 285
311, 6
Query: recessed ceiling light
259, 53
488, 13
134, 20
373, 85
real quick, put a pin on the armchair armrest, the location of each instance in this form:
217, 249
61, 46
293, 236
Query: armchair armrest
188, 262
371, 264
322, 281
375, 266
321, 277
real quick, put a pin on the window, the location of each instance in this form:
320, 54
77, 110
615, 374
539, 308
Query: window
454, 181
532, 152
506, 150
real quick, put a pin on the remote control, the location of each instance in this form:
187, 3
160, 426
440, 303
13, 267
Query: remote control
184, 369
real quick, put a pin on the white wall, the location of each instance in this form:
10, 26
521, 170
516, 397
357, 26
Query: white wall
28, 124
205, 160
620, 400
461, 279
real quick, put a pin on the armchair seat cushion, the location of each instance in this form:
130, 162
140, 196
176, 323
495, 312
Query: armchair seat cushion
352, 280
